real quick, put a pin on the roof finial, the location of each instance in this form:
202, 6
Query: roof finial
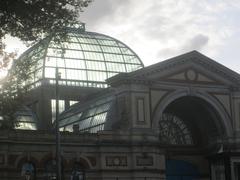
78, 27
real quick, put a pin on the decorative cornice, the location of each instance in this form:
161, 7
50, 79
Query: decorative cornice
141, 76
222, 71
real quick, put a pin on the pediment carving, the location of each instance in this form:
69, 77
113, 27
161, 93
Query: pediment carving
192, 67
191, 75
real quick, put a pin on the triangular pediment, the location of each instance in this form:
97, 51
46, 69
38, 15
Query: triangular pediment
190, 75
192, 67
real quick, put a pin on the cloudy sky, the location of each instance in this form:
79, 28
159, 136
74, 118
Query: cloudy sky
161, 29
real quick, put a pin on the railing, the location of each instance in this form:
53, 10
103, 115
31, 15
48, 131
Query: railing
126, 178
90, 178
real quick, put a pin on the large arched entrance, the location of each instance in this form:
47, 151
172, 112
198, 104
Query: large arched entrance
193, 118
189, 128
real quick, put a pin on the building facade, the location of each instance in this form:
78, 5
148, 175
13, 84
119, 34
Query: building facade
177, 119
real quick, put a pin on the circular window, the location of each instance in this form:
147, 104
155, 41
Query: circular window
173, 130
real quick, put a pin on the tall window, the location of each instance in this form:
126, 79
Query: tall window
173, 130
78, 172
218, 170
235, 168
50, 170
28, 171
61, 107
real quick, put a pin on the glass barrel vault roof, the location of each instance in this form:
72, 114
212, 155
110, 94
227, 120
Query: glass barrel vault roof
90, 118
83, 59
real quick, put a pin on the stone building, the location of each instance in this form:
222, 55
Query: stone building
177, 119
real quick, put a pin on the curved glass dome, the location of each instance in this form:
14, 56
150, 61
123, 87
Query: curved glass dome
83, 59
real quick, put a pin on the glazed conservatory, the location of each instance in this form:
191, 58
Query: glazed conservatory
84, 61
174, 120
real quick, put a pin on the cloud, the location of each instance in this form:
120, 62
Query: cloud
97, 11
102, 11
167, 52
198, 42
160, 29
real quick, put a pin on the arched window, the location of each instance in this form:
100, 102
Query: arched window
50, 170
173, 130
78, 172
28, 171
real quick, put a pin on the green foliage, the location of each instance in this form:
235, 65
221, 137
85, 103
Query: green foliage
12, 92
29, 20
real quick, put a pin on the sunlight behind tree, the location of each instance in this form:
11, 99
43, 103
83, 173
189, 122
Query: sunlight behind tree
30, 21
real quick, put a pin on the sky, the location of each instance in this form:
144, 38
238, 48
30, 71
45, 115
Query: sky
160, 29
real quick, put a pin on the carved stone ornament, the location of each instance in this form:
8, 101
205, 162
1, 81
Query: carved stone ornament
116, 161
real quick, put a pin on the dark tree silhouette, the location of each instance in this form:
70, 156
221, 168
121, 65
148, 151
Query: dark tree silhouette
30, 21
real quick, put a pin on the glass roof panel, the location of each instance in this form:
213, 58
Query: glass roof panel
107, 42
50, 72
96, 129
63, 73
93, 56
98, 119
117, 67
125, 50
110, 74
131, 59
98, 36
76, 74
90, 47
26, 126
71, 119
77, 54
96, 65
51, 61
55, 52
84, 124
73, 39
92, 118
88, 40
96, 75
69, 45
111, 49
114, 57
86, 56
25, 119
75, 63
132, 67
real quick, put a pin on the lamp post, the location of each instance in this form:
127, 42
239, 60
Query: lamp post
58, 148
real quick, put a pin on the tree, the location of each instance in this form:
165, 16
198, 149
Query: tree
12, 92
30, 21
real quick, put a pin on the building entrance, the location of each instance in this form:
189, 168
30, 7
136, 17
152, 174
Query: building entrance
181, 170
